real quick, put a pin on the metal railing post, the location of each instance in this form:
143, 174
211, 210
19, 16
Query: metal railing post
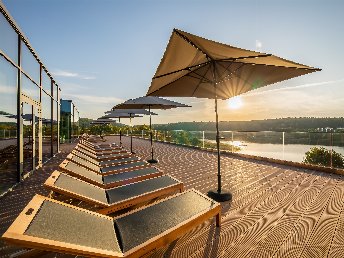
331, 139
232, 141
283, 143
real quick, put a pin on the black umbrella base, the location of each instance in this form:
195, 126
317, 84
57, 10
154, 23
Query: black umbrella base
152, 161
220, 197
133, 152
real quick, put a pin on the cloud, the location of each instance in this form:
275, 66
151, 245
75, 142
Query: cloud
89, 78
68, 74
308, 85
71, 87
259, 45
8, 89
61, 73
94, 99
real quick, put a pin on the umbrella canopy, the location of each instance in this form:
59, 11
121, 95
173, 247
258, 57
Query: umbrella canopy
129, 111
150, 102
197, 67
103, 120
120, 115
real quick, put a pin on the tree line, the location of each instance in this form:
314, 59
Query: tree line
302, 124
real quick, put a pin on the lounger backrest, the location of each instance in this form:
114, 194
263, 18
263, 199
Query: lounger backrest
91, 154
85, 157
83, 162
88, 153
86, 148
65, 184
79, 171
119, 160
125, 166
161, 217
131, 190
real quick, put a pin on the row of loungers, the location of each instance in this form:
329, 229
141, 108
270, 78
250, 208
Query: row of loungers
148, 209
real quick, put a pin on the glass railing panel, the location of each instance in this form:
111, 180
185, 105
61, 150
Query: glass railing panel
55, 127
324, 149
338, 148
29, 64
264, 144
29, 88
8, 125
46, 82
8, 40
46, 126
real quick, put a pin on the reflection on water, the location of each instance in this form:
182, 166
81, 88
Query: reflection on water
290, 152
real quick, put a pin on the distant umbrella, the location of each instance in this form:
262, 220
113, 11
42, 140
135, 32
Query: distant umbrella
103, 120
196, 67
131, 112
113, 114
150, 102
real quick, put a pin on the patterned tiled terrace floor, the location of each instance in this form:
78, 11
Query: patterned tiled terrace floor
276, 211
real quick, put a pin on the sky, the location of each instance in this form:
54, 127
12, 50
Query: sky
103, 52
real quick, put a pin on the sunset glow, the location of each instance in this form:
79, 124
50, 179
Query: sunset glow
235, 103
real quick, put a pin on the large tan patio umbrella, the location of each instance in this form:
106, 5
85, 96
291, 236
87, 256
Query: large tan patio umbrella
196, 67
150, 102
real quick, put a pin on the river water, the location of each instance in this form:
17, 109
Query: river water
290, 152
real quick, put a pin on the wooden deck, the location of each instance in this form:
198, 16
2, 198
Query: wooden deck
276, 211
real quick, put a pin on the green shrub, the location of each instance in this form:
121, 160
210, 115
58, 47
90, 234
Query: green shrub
321, 156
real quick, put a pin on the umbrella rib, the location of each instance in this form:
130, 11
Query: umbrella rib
281, 66
243, 57
192, 44
198, 77
200, 81
226, 68
175, 79
183, 69
233, 73
202, 77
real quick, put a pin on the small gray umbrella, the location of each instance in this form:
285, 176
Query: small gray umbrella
131, 113
150, 102
113, 114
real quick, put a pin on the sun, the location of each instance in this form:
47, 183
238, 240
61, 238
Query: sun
235, 102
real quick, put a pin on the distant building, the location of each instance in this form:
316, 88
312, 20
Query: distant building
69, 121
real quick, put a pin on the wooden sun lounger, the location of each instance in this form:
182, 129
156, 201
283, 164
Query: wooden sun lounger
101, 152
105, 163
104, 146
100, 148
114, 199
51, 225
103, 157
116, 168
108, 181
93, 138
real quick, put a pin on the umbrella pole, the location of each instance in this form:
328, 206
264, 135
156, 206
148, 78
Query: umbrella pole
120, 133
218, 195
219, 184
152, 160
131, 135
